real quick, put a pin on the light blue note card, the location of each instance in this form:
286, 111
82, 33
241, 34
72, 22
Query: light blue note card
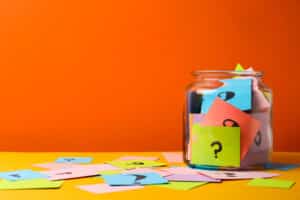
74, 160
21, 175
237, 92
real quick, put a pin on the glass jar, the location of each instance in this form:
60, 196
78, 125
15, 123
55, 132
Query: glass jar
227, 120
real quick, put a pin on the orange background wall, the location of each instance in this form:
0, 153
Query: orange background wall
110, 75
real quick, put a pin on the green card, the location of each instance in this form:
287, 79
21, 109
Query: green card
131, 164
216, 146
30, 184
239, 68
182, 185
274, 183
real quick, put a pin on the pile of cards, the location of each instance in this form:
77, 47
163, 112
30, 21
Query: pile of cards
132, 173
230, 126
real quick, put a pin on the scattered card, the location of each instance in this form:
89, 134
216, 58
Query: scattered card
74, 160
30, 184
180, 170
138, 158
273, 183
131, 164
229, 175
21, 175
191, 178
216, 146
173, 157
71, 173
148, 170
224, 114
104, 188
53, 166
183, 185
110, 172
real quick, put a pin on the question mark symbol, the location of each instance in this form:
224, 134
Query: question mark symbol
219, 149
226, 95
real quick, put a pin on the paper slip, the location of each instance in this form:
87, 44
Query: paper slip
74, 160
21, 175
138, 158
148, 170
182, 185
30, 184
70, 173
191, 178
173, 157
273, 183
104, 188
131, 164
227, 175
55, 165
180, 170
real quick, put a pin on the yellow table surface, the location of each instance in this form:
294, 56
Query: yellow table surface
226, 190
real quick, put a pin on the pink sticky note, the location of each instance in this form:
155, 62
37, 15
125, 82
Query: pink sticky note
97, 167
104, 188
191, 178
173, 157
180, 170
148, 170
138, 158
55, 165
222, 113
237, 174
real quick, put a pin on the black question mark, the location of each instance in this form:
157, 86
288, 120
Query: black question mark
226, 95
219, 144
258, 138
230, 123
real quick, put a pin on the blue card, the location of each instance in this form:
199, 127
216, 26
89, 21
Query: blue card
74, 160
281, 166
237, 92
134, 179
21, 175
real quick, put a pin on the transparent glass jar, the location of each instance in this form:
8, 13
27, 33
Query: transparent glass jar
225, 85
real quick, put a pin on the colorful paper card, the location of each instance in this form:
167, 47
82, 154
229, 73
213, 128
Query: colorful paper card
224, 114
180, 170
21, 175
273, 183
237, 92
281, 166
191, 178
134, 179
55, 165
183, 185
104, 188
97, 167
110, 172
138, 158
74, 160
70, 173
173, 157
216, 146
148, 170
231, 175
30, 184
131, 164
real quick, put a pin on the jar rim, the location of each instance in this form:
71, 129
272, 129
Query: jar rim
228, 72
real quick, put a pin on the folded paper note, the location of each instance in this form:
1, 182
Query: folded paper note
273, 183
216, 146
173, 157
134, 179
21, 175
191, 178
104, 188
230, 175
74, 160
183, 185
223, 114
236, 92
138, 158
30, 184
131, 164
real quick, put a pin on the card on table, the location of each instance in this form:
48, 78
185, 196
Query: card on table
216, 146
191, 178
138, 158
273, 183
148, 170
21, 175
74, 160
173, 157
134, 179
183, 185
70, 173
230, 175
222, 113
30, 184
237, 92
55, 165
105, 188
131, 164
180, 170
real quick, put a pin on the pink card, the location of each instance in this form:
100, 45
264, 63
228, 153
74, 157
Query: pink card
138, 158
55, 165
98, 167
104, 188
148, 170
191, 178
237, 174
222, 113
181, 170
173, 157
